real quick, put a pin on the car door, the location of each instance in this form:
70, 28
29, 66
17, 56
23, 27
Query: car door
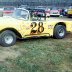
34, 28
38, 27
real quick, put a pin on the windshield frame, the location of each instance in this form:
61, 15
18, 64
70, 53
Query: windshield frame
19, 14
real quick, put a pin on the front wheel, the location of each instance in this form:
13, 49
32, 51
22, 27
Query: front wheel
7, 38
59, 31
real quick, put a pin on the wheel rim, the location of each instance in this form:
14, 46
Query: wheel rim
61, 32
8, 39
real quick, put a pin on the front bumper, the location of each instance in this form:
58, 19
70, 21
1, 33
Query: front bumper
55, 14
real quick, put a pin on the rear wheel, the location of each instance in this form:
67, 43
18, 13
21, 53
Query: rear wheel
7, 38
59, 31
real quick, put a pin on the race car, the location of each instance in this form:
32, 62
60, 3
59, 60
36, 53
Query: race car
54, 12
47, 10
69, 12
38, 13
22, 25
8, 10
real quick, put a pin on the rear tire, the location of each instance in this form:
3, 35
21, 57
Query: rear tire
7, 38
59, 32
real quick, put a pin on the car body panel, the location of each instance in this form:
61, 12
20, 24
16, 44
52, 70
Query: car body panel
69, 12
30, 28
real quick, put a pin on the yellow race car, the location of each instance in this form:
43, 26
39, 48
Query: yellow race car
69, 13
24, 24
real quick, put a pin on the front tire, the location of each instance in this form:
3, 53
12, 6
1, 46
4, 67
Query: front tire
59, 32
7, 38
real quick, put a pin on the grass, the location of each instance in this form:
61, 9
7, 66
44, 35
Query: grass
38, 55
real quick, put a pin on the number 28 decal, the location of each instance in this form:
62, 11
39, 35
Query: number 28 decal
40, 28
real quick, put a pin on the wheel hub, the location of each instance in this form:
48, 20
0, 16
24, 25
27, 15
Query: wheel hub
61, 32
8, 39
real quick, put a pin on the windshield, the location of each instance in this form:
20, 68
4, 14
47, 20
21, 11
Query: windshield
19, 13
54, 8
